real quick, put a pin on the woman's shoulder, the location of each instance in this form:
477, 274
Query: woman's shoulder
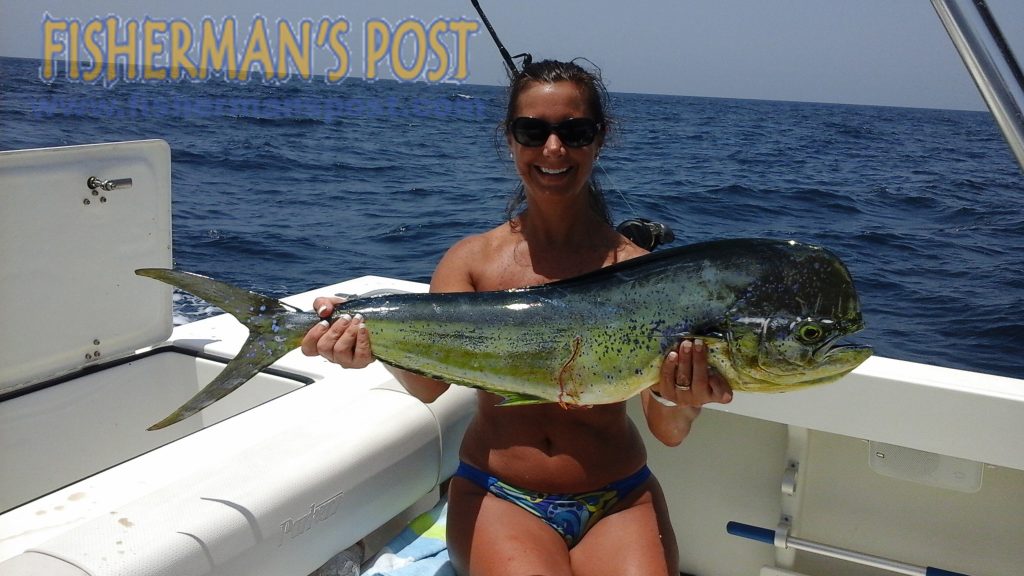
483, 245
460, 265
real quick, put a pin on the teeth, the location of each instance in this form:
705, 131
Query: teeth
552, 170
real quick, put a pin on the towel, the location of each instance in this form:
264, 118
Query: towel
419, 550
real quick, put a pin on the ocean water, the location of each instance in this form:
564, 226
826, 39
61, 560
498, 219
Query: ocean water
284, 188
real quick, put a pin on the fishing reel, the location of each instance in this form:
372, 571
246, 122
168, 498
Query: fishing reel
645, 233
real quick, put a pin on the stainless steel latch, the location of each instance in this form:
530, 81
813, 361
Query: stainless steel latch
117, 184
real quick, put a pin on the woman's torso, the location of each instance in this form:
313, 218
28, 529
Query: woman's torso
546, 447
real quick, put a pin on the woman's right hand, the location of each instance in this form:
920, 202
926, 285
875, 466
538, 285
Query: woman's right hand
345, 341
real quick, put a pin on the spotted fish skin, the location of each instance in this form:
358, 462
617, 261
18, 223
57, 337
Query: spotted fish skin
771, 311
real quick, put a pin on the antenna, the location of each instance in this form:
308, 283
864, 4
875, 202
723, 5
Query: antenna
509, 60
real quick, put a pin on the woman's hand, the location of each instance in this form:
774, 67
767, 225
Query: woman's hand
686, 383
345, 342
688, 380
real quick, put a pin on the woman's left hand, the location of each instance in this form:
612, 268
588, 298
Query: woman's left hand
688, 380
686, 383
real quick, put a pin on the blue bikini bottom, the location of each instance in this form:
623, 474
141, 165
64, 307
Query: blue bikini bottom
571, 515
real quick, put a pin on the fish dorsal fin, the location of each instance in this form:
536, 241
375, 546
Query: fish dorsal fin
701, 250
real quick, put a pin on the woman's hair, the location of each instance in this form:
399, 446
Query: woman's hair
550, 72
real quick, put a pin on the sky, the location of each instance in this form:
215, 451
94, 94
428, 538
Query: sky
879, 52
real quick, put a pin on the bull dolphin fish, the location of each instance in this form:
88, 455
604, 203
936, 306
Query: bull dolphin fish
772, 313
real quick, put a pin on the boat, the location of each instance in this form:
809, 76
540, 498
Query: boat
900, 467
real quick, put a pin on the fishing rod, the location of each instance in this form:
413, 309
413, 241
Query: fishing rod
509, 60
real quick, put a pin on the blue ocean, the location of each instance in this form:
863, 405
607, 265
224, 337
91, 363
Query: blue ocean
284, 188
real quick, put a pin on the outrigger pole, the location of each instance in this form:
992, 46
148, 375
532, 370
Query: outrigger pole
991, 63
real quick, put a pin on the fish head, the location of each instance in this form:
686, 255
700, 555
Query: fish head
786, 331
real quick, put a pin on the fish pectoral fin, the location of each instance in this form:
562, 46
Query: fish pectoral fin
513, 399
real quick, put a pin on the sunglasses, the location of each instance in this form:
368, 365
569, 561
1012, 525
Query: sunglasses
574, 132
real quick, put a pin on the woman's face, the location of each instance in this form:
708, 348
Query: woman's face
554, 170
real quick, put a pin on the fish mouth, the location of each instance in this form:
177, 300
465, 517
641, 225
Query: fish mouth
846, 352
833, 350
828, 358
840, 357
831, 364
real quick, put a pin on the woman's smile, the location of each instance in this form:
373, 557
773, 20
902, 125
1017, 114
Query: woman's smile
553, 170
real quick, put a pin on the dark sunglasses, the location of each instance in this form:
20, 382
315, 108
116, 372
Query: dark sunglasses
574, 132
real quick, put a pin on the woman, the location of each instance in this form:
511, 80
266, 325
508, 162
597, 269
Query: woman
542, 489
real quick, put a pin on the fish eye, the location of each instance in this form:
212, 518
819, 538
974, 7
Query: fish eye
809, 332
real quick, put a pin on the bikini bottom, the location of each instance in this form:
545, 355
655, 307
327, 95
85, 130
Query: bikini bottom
571, 515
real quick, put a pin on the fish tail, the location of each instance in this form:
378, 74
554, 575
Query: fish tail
257, 312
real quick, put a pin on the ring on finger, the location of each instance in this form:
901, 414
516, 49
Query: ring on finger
683, 388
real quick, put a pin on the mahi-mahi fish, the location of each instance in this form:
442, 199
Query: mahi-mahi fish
771, 311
